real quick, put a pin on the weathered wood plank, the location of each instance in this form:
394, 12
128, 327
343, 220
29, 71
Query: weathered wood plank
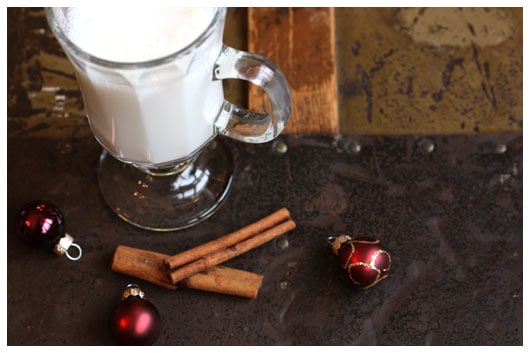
301, 41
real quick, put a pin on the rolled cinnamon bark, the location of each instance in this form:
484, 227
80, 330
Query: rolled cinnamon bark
228, 240
149, 266
221, 256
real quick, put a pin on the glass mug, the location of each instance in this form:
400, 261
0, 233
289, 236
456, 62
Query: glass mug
157, 118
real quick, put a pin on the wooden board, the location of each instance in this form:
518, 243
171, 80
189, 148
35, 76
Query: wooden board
301, 41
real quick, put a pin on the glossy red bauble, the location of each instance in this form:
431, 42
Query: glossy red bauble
135, 322
40, 224
363, 261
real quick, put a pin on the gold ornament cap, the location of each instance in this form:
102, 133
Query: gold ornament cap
336, 242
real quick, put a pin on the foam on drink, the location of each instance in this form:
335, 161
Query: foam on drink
148, 115
135, 34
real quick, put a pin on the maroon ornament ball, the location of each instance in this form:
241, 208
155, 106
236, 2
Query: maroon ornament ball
135, 321
41, 224
363, 261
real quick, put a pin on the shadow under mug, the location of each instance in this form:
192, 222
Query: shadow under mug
162, 167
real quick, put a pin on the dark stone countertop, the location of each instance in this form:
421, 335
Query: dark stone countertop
451, 219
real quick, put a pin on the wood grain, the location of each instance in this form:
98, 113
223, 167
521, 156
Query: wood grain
301, 41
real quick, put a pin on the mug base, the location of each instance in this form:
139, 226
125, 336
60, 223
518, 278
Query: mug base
168, 202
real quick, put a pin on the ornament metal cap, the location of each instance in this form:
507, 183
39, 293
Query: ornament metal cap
336, 242
132, 290
63, 244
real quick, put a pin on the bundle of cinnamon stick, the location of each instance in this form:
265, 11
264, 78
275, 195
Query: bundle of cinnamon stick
198, 268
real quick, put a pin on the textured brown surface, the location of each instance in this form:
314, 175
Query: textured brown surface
430, 70
451, 220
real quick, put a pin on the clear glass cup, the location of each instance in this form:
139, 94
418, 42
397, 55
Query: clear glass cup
162, 167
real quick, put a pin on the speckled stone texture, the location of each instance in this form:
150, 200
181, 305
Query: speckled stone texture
451, 219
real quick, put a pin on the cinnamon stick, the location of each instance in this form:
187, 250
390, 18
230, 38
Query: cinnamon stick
230, 252
149, 266
228, 240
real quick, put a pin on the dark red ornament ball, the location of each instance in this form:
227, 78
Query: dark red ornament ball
40, 224
135, 322
363, 261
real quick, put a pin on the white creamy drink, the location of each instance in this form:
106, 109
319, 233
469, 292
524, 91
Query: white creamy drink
157, 113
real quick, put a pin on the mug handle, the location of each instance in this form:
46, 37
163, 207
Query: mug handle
242, 124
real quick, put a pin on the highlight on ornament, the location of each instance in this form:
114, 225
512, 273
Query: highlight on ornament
41, 224
363, 260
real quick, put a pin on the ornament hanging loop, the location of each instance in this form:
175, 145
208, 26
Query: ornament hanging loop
79, 252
